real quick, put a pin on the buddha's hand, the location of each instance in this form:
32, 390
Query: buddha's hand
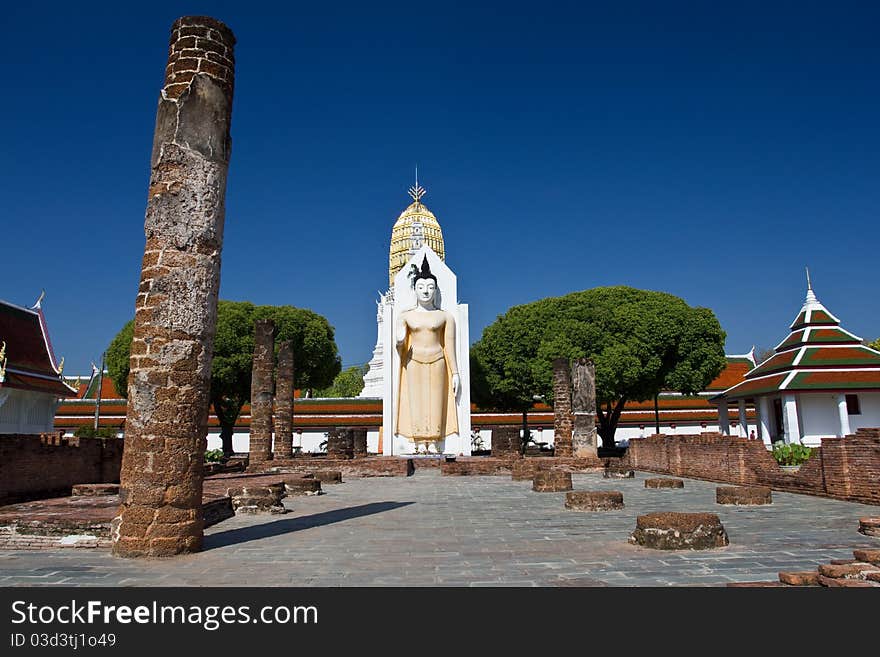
400, 331
456, 384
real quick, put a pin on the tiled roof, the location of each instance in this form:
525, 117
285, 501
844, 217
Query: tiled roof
817, 355
30, 363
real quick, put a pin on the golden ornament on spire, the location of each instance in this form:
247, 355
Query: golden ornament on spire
415, 226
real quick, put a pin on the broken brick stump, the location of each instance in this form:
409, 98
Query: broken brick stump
258, 499
359, 439
94, 490
551, 481
679, 531
805, 578
856, 570
606, 500
743, 495
664, 482
525, 469
506, 441
340, 444
618, 472
869, 526
175, 320
302, 486
329, 476
834, 582
870, 556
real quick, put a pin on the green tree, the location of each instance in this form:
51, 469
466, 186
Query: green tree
348, 383
641, 342
875, 345
117, 356
315, 357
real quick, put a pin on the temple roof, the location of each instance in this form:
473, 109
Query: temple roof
817, 355
27, 361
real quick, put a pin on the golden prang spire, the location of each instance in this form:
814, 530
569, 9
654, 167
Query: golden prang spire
415, 226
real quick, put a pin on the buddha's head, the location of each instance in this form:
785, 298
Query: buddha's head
424, 283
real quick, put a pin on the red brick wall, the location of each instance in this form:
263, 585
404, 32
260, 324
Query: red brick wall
844, 468
37, 467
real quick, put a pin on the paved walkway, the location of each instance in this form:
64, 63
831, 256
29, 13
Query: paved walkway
429, 530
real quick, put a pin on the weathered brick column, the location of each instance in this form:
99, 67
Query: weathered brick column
359, 437
340, 444
176, 307
584, 440
562, 418
284, 401
506, 441
261, 391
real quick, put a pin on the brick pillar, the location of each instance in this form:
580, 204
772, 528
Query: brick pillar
360, 442
562, 418
585, 439
175, 321
261, 391
506, 441
284, 401
340, 444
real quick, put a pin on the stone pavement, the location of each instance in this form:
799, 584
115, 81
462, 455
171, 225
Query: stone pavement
429, 530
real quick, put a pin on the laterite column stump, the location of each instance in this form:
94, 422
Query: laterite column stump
329, 476
551, 481
524, 470
593, 500
663, 482
743, 495
679, 531
257, 499
302, 486
870, 526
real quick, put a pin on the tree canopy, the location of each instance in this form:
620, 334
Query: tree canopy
640, 341
315, 357
348, 383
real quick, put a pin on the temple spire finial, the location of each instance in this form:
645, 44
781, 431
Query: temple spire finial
39, 302
811, 296
417, 191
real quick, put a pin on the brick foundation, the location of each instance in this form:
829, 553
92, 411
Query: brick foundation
843, 468
44, 466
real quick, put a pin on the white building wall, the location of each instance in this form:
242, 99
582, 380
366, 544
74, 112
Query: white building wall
869, 403
818, 416
310, 441
26, 412
624, 434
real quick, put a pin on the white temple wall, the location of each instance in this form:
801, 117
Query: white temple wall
869, 403
25, 412
310, 441
818, 416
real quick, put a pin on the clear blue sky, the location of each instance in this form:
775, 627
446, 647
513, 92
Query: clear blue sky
706, 151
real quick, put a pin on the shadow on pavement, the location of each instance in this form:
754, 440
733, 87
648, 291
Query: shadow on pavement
285, 526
